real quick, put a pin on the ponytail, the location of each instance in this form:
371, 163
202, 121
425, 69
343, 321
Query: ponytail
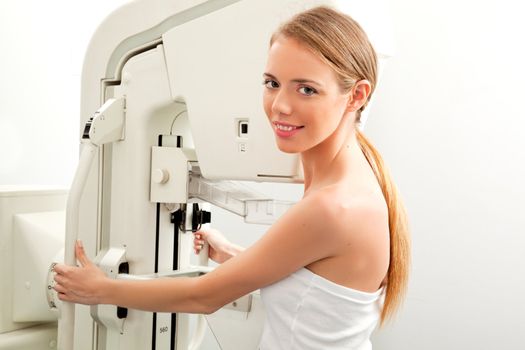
397, 276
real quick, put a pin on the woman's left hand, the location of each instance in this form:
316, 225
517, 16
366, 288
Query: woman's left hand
82, 285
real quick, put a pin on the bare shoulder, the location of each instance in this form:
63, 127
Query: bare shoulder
357, 222
349, 212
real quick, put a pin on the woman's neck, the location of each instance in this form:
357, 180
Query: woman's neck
332, 160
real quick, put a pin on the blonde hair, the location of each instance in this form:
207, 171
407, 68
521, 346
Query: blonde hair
342, 44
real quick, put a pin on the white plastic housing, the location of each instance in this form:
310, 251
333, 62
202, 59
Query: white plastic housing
38, 238
236, 329
13, 201
169, 174
215, 55
34, 338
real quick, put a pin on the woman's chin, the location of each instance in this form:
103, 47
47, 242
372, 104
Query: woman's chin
287, 148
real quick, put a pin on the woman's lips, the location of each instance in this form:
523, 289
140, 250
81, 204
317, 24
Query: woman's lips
285, 129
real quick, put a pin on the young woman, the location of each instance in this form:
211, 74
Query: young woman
337, 262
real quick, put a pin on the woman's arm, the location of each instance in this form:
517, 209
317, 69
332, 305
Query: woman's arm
308, 232
89, 285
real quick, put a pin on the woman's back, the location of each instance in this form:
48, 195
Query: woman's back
358, 219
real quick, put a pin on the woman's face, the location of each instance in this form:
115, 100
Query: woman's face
302, 98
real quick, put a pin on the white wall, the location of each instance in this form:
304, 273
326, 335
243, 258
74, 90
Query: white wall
42, 49
447, 118
449, 122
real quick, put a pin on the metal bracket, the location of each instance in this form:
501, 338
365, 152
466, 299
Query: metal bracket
198, 217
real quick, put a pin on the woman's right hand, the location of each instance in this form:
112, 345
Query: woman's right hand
220, 249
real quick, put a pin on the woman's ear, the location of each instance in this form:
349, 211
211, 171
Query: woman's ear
359, 95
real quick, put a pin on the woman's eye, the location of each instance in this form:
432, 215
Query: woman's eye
270, 84
306, 90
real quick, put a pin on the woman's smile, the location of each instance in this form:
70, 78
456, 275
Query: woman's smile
286, 130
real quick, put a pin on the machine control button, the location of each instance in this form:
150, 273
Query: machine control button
52, 298
160, 176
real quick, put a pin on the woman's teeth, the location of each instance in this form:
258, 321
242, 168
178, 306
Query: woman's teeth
286, 127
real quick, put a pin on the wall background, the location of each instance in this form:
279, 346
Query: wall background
43, 46
449, 123
448, 119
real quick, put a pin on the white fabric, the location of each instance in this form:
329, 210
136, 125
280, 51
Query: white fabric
306, 311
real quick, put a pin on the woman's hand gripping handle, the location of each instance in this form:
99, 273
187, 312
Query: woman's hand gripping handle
219, 249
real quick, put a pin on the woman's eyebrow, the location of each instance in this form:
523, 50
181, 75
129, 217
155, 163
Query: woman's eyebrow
300, 81
269, 76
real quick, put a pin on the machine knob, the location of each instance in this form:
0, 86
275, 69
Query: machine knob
52, 298
160, 176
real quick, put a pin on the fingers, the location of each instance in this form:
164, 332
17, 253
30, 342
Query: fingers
65, 297
200, 235
60, 289
81, 254
60, 268
198, 245
63, 275
198, 241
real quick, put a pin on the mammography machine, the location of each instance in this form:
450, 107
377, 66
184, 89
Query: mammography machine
171, 114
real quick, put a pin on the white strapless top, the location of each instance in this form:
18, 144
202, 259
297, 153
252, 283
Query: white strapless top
306, 311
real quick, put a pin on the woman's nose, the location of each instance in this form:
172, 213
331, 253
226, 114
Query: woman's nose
281, 103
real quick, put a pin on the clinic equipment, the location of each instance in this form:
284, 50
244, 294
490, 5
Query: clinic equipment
171, 113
